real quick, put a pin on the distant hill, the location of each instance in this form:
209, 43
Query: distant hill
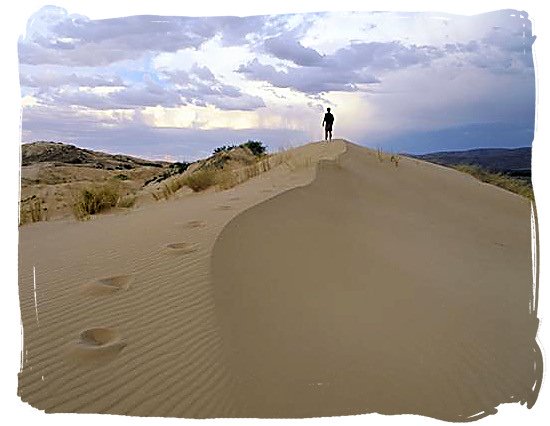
514, 161
60, 153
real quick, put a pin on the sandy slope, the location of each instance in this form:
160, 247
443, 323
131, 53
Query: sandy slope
125, 320
379, 289
360, 287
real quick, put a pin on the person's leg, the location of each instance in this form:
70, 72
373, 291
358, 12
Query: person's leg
330, 135
326, 134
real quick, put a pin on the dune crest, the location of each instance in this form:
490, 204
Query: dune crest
383, 289
334, 284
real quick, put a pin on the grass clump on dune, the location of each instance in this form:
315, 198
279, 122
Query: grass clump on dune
34, 211
95, 199
392, 156
202, 179
517, 186
127, 202
227, 167
230, 166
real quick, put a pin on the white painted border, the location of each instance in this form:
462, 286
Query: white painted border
13, 25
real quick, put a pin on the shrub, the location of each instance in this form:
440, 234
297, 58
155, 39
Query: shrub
178, 167
127, 201
256, 147
394, 158
174, 169
201, 179
34, 212
95, 199
224, 149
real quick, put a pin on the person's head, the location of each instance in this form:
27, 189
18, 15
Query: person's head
328, 109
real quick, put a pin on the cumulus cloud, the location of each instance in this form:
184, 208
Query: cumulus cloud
137, 96
404, 72
311, 80
343, 70
285, 47
53, 36
80, 41
200, 87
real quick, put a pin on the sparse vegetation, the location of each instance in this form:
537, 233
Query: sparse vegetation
517, 186
379, 154
202, 179
256, 147
169, 188
173, 169
33, 212
224, 148
394, 158
95, 199
121, 176
127, 201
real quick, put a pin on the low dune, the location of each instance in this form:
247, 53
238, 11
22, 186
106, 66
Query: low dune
336, 283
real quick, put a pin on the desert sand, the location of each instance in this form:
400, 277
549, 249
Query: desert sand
340, 285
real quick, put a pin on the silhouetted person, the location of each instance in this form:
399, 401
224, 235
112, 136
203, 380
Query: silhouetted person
327, 123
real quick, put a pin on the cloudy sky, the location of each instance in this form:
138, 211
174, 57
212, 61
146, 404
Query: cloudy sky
176, 87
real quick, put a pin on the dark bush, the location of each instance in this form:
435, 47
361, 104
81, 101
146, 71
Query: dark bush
179, 168
256, 147
224, 149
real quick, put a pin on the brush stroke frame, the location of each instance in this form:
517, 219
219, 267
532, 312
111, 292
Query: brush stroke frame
537, 30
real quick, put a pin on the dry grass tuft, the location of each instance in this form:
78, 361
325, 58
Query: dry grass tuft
225, 176
380, 155
33, 212
202, 179
127, 201
95, 199
394, 158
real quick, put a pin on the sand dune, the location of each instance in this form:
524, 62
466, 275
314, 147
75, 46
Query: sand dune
332, 284
125, 320
380, 289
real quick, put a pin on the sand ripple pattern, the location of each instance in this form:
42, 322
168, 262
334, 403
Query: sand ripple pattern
140, 343
125, 320
379, 289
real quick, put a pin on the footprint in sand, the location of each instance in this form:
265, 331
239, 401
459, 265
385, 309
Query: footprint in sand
223, 207
108, 285
99, 344
266, 190
196, 224
182, 248
234, 198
